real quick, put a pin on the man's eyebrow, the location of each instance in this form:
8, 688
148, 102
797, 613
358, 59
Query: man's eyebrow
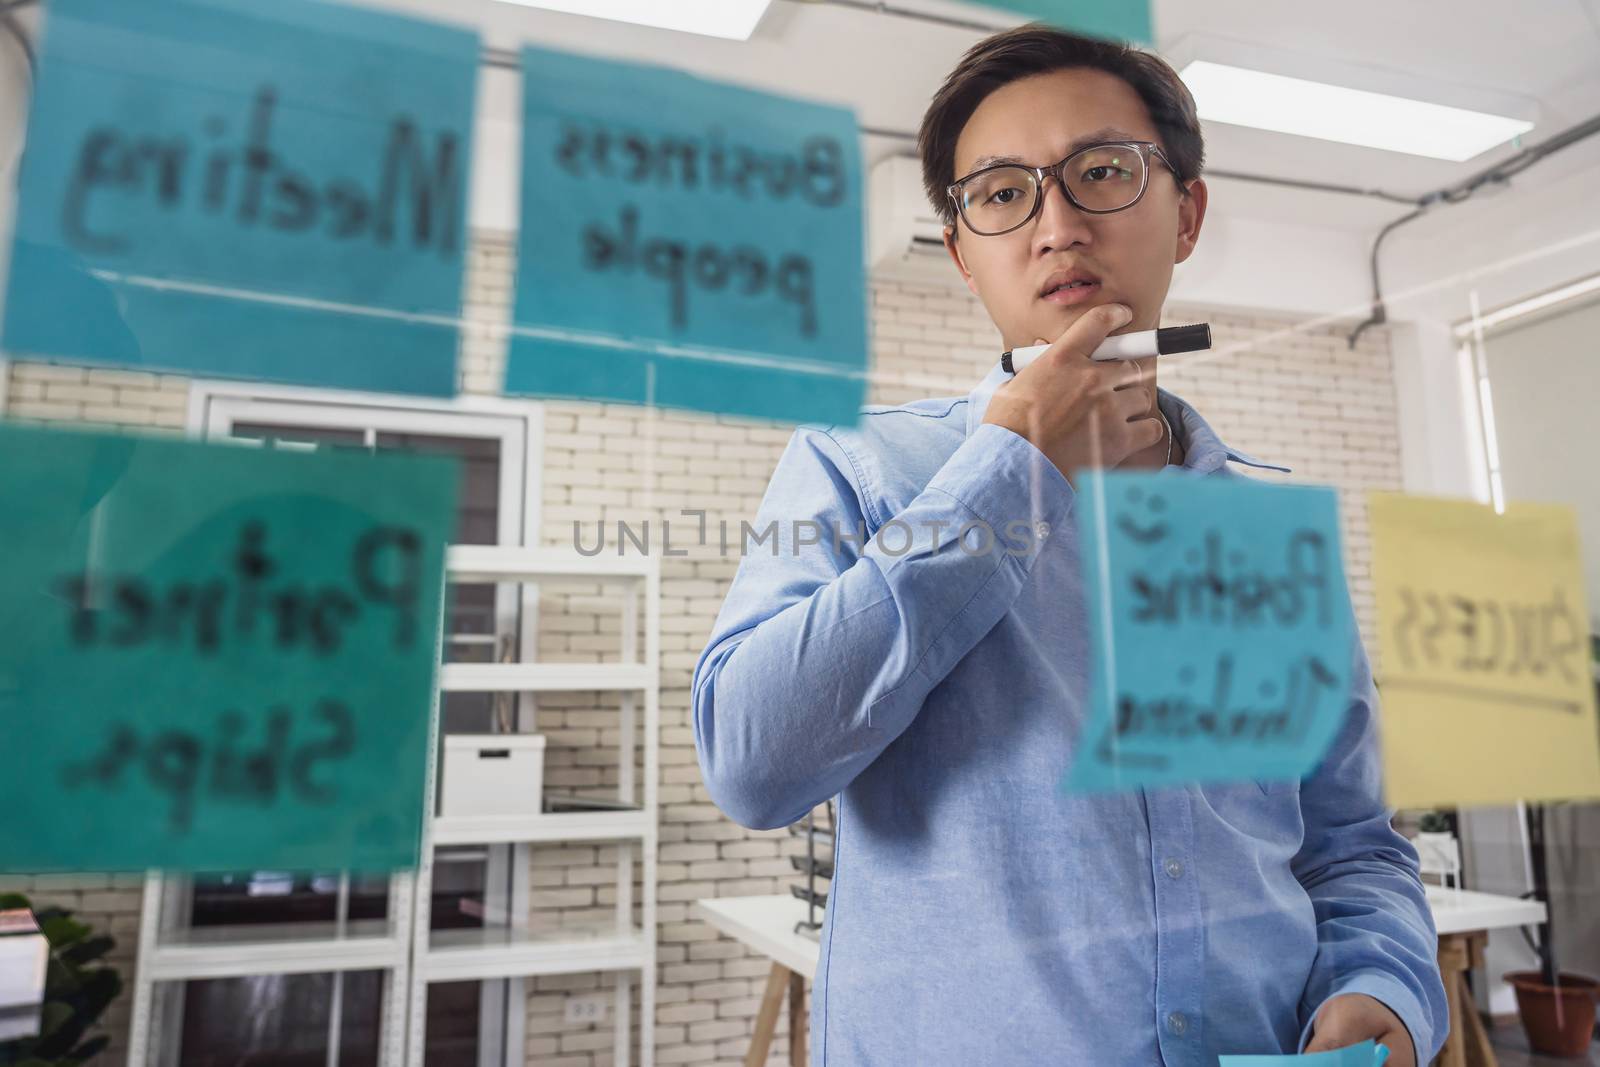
1105, 133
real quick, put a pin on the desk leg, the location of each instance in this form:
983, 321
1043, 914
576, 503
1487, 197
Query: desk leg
1479, 1052
767, 1016
1467, 1044
798, 1020
1452, 967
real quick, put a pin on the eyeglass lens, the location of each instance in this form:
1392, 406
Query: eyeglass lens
1103, 178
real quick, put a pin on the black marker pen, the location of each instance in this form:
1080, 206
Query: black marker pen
1164, 342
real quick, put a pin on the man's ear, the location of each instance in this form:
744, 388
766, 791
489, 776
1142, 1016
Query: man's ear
955, 254
1191, 216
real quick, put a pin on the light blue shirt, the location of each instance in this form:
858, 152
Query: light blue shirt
978, 915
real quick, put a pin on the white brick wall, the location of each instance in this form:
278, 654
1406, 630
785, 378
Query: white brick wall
1290, 394
135, 400
1302, 398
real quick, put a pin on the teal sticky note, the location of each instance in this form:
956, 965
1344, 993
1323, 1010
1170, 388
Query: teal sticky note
1222, 630
1116, 20
1364, 1054
687, 244
215, 657
245, 190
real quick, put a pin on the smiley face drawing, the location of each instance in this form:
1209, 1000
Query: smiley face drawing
1143, 535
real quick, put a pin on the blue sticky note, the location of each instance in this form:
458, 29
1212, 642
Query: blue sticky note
1117, 20
246, 190
215, 657
687, 244
1222, 629
1365, 1054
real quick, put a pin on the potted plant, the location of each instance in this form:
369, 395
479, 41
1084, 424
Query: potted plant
78, 988
1438, 852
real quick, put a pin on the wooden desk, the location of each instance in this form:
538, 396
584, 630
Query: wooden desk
1463, 919
767, 924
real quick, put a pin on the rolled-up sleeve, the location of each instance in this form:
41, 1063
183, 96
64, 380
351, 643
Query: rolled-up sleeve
1375, 931
840, 622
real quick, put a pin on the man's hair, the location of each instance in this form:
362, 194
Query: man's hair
1035, 48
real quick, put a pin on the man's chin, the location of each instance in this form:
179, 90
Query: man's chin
1055, 321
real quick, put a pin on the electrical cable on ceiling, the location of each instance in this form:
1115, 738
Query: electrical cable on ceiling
508, 60
1319, 187
1499, 174
880, 8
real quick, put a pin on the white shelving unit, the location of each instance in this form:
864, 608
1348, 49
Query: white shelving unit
172, 952
401, 945
513, 951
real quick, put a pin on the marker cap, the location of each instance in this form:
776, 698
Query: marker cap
1175, 339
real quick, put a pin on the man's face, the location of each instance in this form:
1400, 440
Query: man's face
1128, 255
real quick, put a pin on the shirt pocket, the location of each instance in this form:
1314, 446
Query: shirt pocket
1273, 788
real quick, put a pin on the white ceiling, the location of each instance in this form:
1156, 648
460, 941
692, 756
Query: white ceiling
886, 67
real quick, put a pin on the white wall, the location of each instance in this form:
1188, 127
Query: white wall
1545, 378
1269, 265
1505, 248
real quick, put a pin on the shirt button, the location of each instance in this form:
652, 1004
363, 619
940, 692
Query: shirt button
1174, 869
1042, 528
1177, 1023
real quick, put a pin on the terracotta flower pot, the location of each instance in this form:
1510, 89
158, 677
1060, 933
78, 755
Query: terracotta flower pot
1564, 1033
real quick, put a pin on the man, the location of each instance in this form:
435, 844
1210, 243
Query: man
978, 915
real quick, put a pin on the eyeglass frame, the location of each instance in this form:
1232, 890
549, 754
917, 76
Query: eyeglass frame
1146, 149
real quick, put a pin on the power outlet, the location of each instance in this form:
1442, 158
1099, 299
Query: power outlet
587, 1009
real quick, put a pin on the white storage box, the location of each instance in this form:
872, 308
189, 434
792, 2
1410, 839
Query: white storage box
491, 774
24, 956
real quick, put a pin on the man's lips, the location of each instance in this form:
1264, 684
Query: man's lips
1072, 293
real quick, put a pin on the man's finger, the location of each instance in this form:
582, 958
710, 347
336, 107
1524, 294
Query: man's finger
1086, 333
1330, 1035
1131, 376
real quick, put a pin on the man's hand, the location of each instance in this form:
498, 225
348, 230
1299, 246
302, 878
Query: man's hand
1078, 412
1354, 1017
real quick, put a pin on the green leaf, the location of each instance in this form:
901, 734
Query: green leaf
53, 1016
87, 950
60, 930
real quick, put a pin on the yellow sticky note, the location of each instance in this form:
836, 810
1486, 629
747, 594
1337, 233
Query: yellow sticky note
1487, 689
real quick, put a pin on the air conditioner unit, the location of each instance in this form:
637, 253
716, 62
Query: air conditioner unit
904, 235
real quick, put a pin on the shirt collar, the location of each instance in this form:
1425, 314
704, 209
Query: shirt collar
1203, 450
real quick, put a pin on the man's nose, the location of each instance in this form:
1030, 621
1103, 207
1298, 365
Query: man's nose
1060, 225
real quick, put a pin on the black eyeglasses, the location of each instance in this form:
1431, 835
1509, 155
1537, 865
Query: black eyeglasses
1098, 179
